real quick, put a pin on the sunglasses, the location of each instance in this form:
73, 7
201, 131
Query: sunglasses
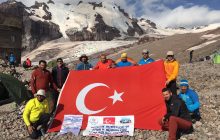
169, 55
41, 96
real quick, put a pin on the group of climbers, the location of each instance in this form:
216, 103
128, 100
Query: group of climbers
39, 109
105, 63
181, 108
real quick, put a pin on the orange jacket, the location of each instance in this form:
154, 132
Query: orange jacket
106, 65
171, 69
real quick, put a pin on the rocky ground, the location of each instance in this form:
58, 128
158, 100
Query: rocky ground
204, 77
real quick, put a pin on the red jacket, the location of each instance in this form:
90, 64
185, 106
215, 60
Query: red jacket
28, 62
41, 79
105, 65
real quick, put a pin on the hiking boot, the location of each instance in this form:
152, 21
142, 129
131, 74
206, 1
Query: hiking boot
178, 134
43, 132
189, 131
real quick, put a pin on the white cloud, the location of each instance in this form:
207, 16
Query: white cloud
188, 15
156, 10
185, 17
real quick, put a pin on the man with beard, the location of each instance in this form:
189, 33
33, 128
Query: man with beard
36, 113
41, 78
177, 118
84, 64
59, 74
104, 63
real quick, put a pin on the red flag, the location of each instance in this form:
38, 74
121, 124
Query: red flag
109, 120
132, 90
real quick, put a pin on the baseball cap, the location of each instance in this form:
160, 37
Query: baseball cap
41, 92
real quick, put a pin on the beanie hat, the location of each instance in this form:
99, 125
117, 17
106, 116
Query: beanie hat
184, 82
123, 55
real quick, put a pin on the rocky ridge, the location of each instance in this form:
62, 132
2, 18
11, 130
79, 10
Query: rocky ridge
90, 21
16, 14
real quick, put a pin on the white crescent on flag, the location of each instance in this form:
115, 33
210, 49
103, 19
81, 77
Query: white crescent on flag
80, 100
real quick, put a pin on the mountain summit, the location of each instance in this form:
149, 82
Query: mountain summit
90, 20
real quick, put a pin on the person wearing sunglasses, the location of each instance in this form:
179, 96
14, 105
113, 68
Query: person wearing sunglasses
171, 69
146, 58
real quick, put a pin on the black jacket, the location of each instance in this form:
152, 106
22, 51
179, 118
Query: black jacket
176, 107
64, 74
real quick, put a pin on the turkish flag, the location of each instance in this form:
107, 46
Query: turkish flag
134, 90
109, 120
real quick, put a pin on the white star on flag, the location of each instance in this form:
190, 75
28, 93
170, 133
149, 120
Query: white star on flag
116, 97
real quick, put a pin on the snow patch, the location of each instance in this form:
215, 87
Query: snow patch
35, 18
144, 25
70, 51
38, 12
170, 31
210, 36
202, 45
207, 28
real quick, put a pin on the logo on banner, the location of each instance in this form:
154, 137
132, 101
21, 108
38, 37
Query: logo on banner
109, 120
71, 123
125, 120
110, 126
80, 100
93, 121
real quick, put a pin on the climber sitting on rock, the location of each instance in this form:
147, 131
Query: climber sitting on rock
191, 99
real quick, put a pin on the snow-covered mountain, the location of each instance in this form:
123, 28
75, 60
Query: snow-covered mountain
44, 23
90, 20
84, 21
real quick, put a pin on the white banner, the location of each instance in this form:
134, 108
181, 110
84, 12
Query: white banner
100, 126
71, 123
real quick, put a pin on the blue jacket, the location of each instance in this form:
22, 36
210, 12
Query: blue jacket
124, 64
84, 66
191, 100
144, 61
12, 58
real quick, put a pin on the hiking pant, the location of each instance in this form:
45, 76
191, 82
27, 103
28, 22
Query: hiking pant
195, 115
12, 64
172, 86
190, 59
55, 99
174, 124
44, 119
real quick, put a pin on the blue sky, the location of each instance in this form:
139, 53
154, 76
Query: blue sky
213, 4
176, 13
166, 13
172, 4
